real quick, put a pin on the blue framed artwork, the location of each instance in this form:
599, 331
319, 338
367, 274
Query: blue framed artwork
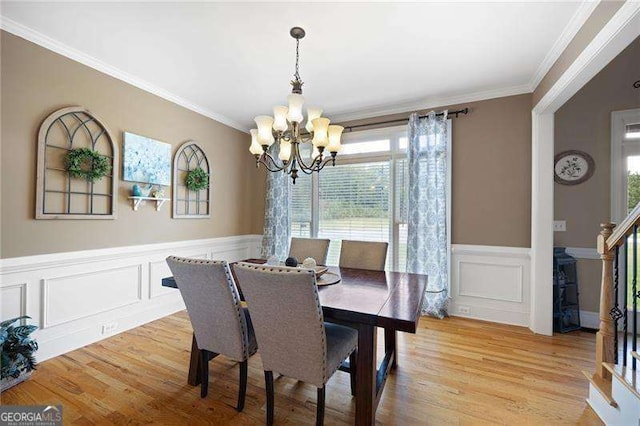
146, 160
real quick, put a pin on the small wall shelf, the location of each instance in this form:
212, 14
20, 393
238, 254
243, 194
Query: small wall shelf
137, 200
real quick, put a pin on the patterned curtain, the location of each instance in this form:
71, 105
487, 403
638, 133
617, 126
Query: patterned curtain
277, 220
427, 208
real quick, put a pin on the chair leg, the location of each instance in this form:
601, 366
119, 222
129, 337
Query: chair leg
268, 382
353, 370
242, 390
204, 373
320, 407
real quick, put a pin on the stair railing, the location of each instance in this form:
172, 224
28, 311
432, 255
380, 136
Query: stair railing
618, 249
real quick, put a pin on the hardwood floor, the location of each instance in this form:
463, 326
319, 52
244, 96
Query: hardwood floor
453, 371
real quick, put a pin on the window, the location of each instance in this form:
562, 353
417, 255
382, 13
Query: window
362, 198
625, 167
625, 174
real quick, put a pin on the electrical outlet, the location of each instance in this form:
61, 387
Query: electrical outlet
109, 328
464, 310
559, 225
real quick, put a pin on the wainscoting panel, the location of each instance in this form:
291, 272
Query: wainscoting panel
13, 301
491, 283
79, 298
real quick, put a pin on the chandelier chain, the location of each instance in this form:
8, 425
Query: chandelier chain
297, 73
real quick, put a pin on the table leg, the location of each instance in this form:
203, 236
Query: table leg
390, 344
194, 378
366, 375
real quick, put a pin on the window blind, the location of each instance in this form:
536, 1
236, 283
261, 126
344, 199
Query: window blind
354, 204
400, 194
301, 207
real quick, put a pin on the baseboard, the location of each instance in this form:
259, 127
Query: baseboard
491, 283
78, 298
484, 313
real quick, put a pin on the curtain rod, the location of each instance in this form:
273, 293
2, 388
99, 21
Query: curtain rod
450, 114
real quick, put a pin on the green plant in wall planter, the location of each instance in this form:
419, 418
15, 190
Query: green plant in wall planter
17, 352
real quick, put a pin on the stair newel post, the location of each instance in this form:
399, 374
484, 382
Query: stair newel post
605, 350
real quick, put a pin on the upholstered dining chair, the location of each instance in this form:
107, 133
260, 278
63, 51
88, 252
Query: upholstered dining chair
363, 255
294, 340
220, 324
317, 248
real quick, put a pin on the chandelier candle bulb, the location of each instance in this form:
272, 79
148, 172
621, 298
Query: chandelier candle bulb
312, 114
255, 147
280, 118
265, 135
294, 114
320, 126
285, 151
335, 134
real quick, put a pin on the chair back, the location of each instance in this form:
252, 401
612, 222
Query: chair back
363, 255
287, 319
301, 248
213, 305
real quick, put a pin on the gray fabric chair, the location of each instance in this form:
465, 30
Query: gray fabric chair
363, 255
293, 338
317, 248
221, 326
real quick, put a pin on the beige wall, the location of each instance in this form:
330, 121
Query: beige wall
36, 82
596, 21
584, 123
491, 171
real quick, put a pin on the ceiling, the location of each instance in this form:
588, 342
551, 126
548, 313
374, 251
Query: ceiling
233, 61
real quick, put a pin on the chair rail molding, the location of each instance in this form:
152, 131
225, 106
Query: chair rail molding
583, 253
77, 298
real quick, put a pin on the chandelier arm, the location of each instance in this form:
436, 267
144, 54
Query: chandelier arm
317, 165
275, 167
266, 165
304, 166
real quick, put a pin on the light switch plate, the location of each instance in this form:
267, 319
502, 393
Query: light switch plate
559, 225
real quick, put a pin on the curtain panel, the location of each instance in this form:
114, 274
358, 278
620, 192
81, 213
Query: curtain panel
277, 213
427, 247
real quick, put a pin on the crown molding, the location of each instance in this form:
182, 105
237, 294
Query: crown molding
612, 39
49, 43
431, 102
570, 30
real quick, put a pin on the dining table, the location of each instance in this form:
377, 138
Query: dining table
365, 300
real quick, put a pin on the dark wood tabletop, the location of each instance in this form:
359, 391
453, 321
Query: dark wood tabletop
390, 300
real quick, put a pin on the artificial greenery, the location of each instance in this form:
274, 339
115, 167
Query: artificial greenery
17, 348
197, 179
87, 164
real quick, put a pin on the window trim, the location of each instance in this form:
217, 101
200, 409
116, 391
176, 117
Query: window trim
620, 148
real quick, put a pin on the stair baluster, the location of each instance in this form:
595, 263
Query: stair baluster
634, 292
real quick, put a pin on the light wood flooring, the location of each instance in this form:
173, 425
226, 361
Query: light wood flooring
453, 371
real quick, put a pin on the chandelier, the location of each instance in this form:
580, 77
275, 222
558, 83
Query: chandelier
284, 128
